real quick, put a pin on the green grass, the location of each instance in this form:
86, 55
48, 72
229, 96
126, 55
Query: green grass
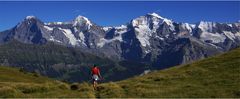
17, 83
218, 76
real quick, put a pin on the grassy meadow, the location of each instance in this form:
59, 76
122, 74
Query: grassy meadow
214, 77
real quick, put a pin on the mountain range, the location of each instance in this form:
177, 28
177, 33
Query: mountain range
151, 39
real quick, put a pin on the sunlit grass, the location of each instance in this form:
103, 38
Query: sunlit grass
217, 76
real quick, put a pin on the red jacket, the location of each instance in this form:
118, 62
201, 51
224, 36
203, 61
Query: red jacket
95, 71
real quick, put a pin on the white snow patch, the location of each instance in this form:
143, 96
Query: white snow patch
147, 51
107, 28
160, 38
140, 21
119, 31
30, 17
121, 27
142, 28
48, 28
82, 38
54, 40
230, 25
215, 38
188, 27
103, 41
143, 35
237, 35
214, 45
230, 35
169, 23
156, 20
75, 29
206, 26
73, 40
68, 33
155, 15
167, 35
192, 25
161, 20
56, 23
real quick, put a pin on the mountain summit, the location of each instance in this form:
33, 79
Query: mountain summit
82, 21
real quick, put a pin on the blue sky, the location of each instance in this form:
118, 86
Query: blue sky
111, 13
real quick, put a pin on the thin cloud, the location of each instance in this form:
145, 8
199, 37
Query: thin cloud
78, 12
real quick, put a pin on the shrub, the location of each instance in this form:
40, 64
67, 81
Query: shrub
23, 71
74, 87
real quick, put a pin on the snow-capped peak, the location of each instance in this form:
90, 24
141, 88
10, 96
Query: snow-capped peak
155, 15
146, 26
154, 19
168, 21
30, 17
81, 20
206, 26
161, 19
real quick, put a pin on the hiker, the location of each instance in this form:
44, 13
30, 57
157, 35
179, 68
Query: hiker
95, 75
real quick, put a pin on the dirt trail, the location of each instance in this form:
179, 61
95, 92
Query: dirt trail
97, 92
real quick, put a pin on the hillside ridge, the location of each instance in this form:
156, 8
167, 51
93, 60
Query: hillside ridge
214, 77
